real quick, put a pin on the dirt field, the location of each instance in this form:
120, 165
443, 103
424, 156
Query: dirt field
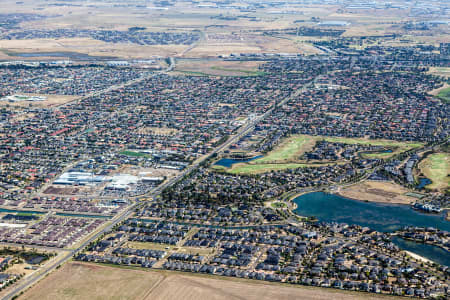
87, 46
62, 190
157, 130
219, 68
81, 281
89, 281
52, 100
377, 191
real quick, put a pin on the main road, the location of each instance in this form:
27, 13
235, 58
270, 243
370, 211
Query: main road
27, 282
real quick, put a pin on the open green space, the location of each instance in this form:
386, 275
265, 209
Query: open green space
288, 153
290, 149
362, 141
278, 205
436, 167
245, 168
245, 72
293, 147
397, 147
149, 245
378, 155
193, 73
444, 95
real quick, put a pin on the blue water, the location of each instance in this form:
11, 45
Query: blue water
378, 216
83, 215
434, 253
22, 211
228, 162
423, 182
58, 214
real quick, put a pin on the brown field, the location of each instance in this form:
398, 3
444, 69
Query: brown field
52, 100
377, 191
207, 288
62, 190
219, 68
89, 281
148, 245
243, 33
82, 281
21, 116
254, 43
86, 46
157, 130
155, 246
156, 172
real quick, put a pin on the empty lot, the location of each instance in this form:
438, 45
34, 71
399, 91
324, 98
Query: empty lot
90, 281
82, 281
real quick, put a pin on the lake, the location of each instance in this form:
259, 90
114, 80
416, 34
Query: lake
378, 216
229, 162
434, 253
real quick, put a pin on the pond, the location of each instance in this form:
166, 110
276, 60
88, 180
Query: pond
75, 215
434, 253
229, 162
18, 211
378, 216
423, 182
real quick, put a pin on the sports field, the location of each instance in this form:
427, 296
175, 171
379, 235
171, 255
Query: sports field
436, 167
